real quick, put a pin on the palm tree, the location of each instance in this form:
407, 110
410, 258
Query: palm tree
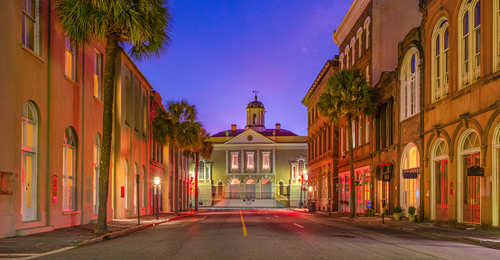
204, 148
347, 95
141, 25
177, 127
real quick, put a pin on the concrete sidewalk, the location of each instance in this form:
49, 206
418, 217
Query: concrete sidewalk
77, 235
465, 233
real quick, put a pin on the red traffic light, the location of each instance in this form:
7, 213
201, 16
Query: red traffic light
191, 181
192, 190
300, 177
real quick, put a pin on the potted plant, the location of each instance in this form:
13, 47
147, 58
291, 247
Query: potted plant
397, 212
411, 214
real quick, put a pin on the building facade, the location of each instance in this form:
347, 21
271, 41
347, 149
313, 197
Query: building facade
258, 165
323, 147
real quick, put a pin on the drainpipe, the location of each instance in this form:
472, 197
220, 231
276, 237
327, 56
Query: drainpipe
47, 172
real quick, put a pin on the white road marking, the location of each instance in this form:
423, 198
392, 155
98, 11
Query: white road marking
275, 216
298, 225
31, 256
268, 218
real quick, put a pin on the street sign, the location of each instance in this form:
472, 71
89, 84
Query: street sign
369, 205
411, 173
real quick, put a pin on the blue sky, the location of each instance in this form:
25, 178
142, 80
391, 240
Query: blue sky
222, 50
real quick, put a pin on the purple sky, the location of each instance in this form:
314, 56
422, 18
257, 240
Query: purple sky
222, 50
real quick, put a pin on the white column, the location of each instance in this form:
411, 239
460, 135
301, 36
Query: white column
258, 161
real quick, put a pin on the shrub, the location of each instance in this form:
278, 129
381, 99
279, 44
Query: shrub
397, 209
411, 210
369, 212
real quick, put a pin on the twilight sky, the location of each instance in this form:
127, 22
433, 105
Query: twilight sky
222, 50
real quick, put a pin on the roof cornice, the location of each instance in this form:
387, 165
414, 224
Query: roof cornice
327, 65
355, 11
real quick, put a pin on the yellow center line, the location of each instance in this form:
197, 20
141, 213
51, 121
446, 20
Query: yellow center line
243, 222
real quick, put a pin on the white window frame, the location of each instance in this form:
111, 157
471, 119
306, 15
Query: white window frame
353, 130
234, 160
410, 85
342, 140
97, 161
31, 15
353, 49
367, 29
360, 131
341, 59
440, 62
69, 144
359, 36
347, 57
250, 160
201, 166
469, 67
264, 165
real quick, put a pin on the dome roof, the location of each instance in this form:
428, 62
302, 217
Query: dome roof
255, 103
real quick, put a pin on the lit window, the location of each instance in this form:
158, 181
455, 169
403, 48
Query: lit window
97, 158
265, 161
440, 71
470, 43
367, 129
31, 25
353, 131
69, 163
250, 160
98, 74
70, 68
126, 185
410, 82
234, 161
301, 166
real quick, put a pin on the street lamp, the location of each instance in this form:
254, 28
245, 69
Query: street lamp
157, 184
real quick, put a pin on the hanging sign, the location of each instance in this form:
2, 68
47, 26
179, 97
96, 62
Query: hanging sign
411, 173
475, 171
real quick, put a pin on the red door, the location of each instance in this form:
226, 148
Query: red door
472, 191
441, 168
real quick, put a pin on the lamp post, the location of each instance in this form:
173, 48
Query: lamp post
157, 184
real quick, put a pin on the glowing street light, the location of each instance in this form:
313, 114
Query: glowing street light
157, 184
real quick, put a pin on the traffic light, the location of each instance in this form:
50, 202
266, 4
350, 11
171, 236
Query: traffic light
300, 177
191, 190
191, 181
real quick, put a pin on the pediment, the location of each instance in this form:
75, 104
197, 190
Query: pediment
250, 136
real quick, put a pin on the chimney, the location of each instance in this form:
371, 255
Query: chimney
233, 127
278, 126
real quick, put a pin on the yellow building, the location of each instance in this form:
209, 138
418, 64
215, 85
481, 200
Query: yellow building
254, 166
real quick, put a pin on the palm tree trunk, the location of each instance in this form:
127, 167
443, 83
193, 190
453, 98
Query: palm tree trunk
112, 50
352, 192
197, 158
176, 182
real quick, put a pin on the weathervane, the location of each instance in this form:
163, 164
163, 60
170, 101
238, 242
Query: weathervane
255, 92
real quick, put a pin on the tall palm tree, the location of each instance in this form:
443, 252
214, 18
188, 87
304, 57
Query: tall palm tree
204, 148
177, 127
141, 25
347, 95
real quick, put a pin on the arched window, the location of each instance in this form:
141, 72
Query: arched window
367, 29
439, 180
97, 161
144, 116
353, 47
127, 102
410, 84
347, 57
440, 65
359, 37
254, 119
137, 105
29, 150
201, 170
69, 170
469, 192
470, 43
301, 167
134, 183
341, 61
410, 185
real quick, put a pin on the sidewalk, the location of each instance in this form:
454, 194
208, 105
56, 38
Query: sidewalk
78, 235
470, 234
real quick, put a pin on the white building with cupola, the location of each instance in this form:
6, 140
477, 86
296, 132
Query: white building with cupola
254, 166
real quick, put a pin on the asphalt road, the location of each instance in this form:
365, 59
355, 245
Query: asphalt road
273, 234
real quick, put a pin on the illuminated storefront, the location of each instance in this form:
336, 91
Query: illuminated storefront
410, 175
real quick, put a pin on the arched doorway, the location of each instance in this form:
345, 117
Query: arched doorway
234, 189
494, 176
385, 173
410, 188
439, 180
250, 189
469, 193
29, 170
265, 189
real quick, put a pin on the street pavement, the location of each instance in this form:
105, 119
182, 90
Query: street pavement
275, 234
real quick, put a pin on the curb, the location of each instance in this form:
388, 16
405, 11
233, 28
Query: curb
129, 230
